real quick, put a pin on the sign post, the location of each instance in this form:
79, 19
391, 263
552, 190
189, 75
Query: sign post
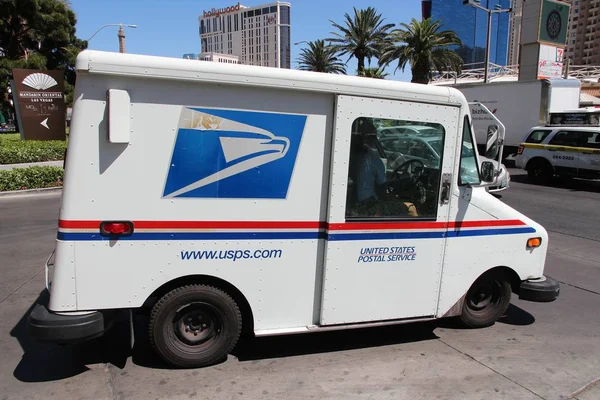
39, 101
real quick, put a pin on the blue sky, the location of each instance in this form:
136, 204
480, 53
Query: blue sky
170, 28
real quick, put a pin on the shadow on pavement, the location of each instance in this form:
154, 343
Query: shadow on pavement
572, 184
513, 316
333, 341
261, 348
46, 362
42, 362
517, 316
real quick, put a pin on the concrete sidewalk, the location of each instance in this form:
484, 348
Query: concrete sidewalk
8, 167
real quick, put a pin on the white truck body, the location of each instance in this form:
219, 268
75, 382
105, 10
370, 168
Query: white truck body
520, 105
237, 177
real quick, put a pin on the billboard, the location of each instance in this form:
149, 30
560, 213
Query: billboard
554, 20
39, 99
550, 62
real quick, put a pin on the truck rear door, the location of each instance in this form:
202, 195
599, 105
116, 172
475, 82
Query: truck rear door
388, 209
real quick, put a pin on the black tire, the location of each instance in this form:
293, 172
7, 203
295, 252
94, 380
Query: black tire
486, 301
195, 326
540, 171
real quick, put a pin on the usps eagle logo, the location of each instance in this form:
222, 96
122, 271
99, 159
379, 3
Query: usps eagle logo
233, 154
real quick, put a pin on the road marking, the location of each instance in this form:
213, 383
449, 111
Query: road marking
585, 388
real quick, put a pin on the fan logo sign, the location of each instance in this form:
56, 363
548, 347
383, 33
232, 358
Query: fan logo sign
216, 12
39, 102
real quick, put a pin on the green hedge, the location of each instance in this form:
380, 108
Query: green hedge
13, 150
31, 178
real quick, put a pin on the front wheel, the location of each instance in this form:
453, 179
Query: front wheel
486, 301
195, 326
539, 171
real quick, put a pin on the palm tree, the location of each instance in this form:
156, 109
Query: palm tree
376, 73
424, 46
362, 37
321, 58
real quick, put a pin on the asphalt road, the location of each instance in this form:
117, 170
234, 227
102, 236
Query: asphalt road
549, 351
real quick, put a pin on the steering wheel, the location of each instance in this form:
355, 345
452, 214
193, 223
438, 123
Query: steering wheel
411, 187
405, 165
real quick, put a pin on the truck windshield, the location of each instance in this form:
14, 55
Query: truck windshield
469, 168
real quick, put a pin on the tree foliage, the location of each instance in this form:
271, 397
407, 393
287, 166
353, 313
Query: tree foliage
377, 73
362, 36
319, 57
422, 45
37, 34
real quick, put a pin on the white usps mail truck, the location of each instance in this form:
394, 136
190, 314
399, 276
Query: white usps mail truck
231, 199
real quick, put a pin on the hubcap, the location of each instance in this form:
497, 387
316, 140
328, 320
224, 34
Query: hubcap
195, 324
484, 295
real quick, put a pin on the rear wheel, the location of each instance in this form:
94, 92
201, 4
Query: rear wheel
486, 301
195, 326
539, 171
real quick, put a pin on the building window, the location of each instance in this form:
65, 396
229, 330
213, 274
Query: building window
285, 47
273, 9
285, 15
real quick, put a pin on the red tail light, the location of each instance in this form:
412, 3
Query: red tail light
520, 151
116, 228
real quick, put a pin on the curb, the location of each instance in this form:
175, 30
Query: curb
15, 193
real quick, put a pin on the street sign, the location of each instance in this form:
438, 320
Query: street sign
550, 63
39, 98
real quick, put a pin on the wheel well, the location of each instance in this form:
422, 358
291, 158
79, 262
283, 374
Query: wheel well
539, 160
234, 292
509, 273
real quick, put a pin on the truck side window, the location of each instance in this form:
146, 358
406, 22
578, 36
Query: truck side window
537, 136
394, 169
565, 138
590, 140
469, 169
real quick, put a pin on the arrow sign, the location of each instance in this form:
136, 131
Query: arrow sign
44, 123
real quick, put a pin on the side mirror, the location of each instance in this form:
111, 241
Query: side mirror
492, 142
487, 171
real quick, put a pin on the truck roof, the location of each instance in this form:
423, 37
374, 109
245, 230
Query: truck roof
139, 66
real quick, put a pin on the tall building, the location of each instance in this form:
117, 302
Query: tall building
257, 35
514, 39
583, 41
471, 26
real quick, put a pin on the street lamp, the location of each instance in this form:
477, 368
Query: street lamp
120, 35
104, 26
297, 43
497, 9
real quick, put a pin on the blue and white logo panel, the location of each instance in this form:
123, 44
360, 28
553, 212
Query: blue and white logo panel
233, 154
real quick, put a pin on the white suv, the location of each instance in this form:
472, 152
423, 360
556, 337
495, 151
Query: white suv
565, 151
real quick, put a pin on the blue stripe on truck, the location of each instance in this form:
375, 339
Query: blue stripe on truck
89, 236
